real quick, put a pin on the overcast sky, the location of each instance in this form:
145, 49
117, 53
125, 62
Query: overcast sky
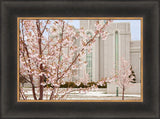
135, 27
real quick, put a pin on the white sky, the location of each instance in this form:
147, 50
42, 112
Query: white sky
135, 27
75, 23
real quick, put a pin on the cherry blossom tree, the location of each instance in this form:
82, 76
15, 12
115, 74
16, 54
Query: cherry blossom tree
123, 76
49, 54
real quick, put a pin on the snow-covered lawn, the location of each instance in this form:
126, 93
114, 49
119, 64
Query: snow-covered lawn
92, 95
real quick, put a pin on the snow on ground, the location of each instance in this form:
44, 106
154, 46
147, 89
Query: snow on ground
92, 95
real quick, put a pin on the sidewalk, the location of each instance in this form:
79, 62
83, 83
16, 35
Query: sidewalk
100, 94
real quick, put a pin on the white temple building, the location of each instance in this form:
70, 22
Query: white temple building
106, 54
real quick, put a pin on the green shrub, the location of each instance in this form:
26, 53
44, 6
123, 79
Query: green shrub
73, 85
133, 74
91, 84
103, 86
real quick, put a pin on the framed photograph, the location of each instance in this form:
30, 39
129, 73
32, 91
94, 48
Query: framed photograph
80, 59
89, 59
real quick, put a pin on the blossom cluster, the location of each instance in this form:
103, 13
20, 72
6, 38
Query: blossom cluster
124, 77
53, 50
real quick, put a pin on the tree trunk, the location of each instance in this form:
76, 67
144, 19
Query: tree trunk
123, 93
51, 96
41, 89
40, 55
34, 93
33, 87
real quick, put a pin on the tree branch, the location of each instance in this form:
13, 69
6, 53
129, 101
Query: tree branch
40, 55
24, 78
45, 26
82, 50
30, 76
60, 50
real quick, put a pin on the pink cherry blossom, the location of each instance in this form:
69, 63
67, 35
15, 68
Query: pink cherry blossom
49, 54
122, 76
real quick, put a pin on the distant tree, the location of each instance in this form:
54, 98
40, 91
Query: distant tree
124, 76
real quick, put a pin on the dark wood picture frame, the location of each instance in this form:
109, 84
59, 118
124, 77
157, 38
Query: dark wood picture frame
11, 9
82, 18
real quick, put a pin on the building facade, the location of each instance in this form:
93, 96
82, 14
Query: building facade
106, 54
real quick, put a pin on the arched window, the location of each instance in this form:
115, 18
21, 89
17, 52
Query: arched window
116, 51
